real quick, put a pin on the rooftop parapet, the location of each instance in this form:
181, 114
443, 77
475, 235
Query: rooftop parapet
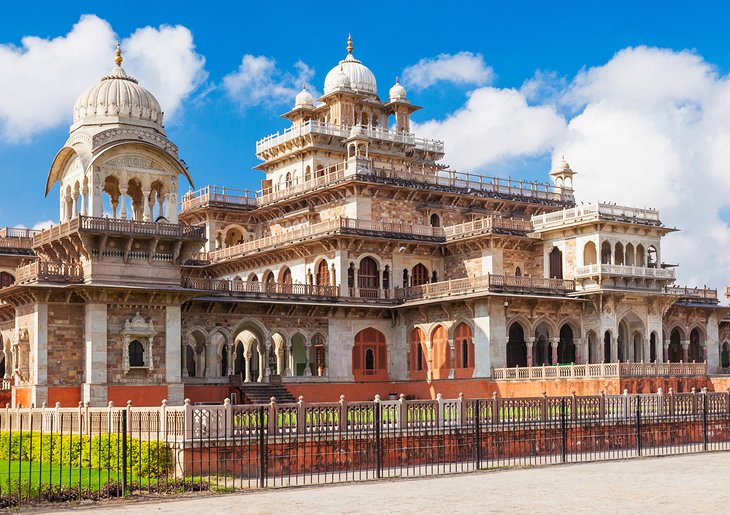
595, 212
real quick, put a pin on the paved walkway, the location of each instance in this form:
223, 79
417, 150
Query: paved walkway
698, 483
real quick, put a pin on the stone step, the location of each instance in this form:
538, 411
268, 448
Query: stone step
259, 393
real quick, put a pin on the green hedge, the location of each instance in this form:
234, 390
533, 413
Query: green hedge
144, 458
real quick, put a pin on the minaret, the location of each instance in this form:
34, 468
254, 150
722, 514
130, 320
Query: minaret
562, 174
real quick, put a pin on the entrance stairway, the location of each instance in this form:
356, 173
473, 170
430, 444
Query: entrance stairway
261, 393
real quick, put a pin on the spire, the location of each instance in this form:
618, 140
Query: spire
349, 44
118, 58
396, 79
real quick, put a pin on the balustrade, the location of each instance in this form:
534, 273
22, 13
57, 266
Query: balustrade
599, 370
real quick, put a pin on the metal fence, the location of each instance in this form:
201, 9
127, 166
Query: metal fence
72, 454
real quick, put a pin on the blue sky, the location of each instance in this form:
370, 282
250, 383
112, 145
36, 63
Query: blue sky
566, 50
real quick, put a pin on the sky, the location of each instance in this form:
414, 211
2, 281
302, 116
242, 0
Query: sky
636, 95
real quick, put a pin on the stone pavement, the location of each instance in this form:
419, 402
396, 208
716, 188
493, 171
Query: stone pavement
698, 483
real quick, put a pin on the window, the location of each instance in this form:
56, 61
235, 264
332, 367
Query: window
369, 356
556, 263
136, 354
405, 278
589, 254
435, 220
369, 359
6, 279
367, 275
386, 278
351, 276
323, 274
464, 353
419, 275
286, 276
518, 272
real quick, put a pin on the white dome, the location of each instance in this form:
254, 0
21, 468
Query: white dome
119, 96
397, 93
361, 78
304, 99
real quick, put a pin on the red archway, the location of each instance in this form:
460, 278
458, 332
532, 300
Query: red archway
370, 356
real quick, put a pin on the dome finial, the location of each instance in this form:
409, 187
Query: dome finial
396, 79
118, 58
349, 44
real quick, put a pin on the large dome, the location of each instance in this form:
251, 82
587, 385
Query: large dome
117, 95
361, 78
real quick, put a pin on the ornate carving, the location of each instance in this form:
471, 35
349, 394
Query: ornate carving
141, 134
134, 162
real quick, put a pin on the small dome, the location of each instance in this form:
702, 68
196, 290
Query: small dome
337, 80
117, 95
397, 93
361, 78
304, 99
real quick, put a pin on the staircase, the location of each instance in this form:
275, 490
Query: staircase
261, 393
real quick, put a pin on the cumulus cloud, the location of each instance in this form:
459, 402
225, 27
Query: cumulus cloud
258, 81
649, 128
464, 68
495, 124
43, 77
45, 224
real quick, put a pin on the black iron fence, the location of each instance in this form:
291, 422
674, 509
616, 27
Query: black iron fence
80, 453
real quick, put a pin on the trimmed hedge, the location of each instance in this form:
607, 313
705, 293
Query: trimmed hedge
145, 458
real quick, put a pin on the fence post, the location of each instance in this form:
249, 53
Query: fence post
163, 417
602, 405
129, 417
495, 408
694, 401
124, 451
273, 417
660, 402
543, 407
402, 412
704, 419
378, 448
301, 423
80, 423
638, 425
573, 406
461, 412
563, 431
343, 413
189, 429
57, 416
440, 415
262, 448
477, 433
671, 401
110, 407
625, 413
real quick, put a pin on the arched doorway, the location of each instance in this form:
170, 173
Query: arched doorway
589, 254
419, 275
566, 346
638, 349
556, 263
607, 347
298, 357
695, 354
652, 348
418, 354
441, 353
725, 356
323, 274
370, 356
516, 347
541, 351
594, 354
675, 346
367, 277
464, 346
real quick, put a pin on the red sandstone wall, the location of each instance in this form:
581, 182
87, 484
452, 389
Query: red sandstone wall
139, 395
65, 345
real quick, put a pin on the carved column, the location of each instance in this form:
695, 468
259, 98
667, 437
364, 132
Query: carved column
530, 342
307, 366
287, 359
579, 343
185, 361
247, 365
554, 347
614, 349
452, 350
665, 353
123, 206
146, 204
263, 365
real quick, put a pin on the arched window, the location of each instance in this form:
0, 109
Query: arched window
518, 272
405, 278
607, 347
618, 254
269, 279
652, 348
308, 173
464, 347
566, 346
136, 354
417, 340
675, 346
369, 356
589, 254
351, 276
652, 257
367, 277
556, 263
288, 179
434, 277
419, 275
516, 347
435, 220
386, 278
189, 360
605, 253
224, 360
640, 259
6, 279
323, 274
695, 347
286, 276
320, 171
725, 355
630, 255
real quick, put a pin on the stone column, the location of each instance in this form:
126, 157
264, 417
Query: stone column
554, 345
84, 201
665, 353
287, 359
95, 334
614, 349
123, 204
579, 343
263, 365
307, 366
247, 365
530, 345
173, 368
184, 360
685, 350
39, 353
146, 216
452, 350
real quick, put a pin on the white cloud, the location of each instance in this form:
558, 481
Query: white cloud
495, 124
258, 81
43, 77
464, 68
45, 224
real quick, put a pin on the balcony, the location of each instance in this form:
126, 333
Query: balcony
49, 272
17, 241
487, 283
593, 213
694, 295
260, 289
486, 225
598, 370
341, 131
625, 271
217, 196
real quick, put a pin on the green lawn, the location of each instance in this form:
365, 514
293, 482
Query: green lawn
29, 475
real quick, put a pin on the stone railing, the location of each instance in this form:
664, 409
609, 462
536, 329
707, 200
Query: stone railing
118, 226
486, 225
256, 289
343, 131
217, 195
596, 211
487, 283
17, 238
46, 271
587, 371
338, 225
694, 294
625, 270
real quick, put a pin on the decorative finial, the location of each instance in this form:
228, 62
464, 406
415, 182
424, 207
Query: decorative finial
349, 44
118, 58
396, 79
